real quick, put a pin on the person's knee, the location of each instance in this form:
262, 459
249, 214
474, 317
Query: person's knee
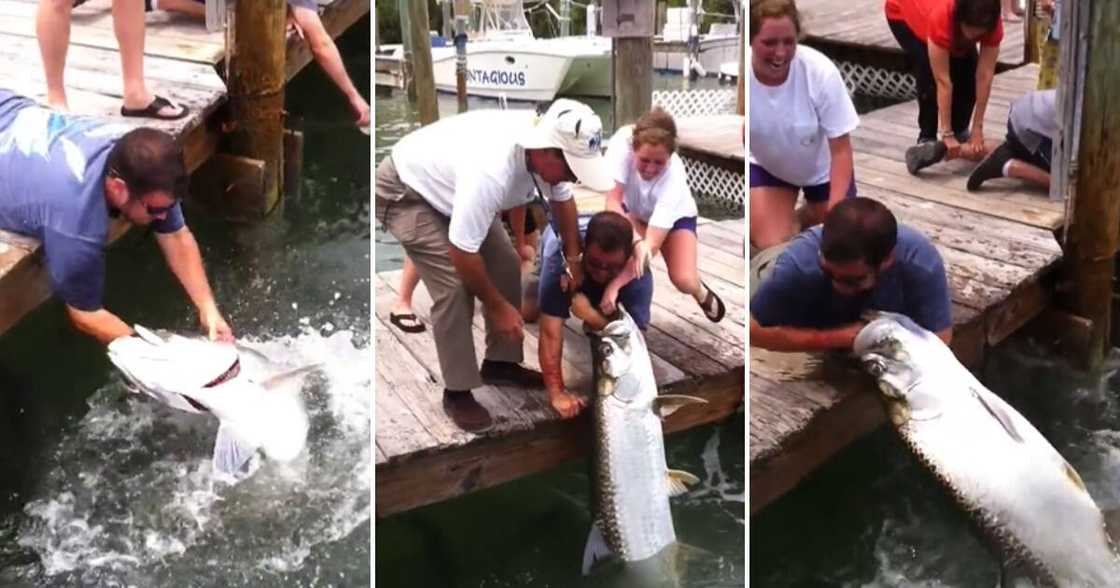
684, 279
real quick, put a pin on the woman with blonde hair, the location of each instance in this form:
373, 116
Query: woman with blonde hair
651, 189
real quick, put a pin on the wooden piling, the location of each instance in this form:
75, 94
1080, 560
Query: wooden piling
1094, 233
406, 46
462, 12
632, 68
422, 62
256, 97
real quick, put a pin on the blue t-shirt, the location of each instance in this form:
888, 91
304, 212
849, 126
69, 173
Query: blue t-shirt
52, 188
799, 294
636, 296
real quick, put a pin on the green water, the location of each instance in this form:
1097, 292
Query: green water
99, 487
872, 517
531, 532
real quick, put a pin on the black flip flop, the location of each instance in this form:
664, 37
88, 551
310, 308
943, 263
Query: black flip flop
707, 305
407, 322
153, 110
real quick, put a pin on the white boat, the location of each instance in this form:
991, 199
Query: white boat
718, 46
505, 59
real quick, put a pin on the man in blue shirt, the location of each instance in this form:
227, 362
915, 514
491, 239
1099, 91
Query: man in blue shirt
860, 259
63, 177
608, 242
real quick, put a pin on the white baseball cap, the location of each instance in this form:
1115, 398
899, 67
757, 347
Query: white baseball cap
575, 129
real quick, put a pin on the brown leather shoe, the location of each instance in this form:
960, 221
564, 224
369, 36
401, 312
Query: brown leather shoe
507, 373
465, 411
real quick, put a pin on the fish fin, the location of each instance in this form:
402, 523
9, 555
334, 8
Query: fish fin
279, 379
679, 481
147, 335
667, 404
1000, 415
230, 453
596, 549
1074, 476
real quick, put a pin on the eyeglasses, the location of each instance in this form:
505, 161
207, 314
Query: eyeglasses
851, 282
158, 210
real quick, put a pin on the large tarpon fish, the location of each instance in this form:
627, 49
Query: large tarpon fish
1027, 501
196, 375
632, 484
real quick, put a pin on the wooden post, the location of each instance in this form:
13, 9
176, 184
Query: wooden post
256, 95
422, 61
406, 46
1033, 33
461, 12
632, 69
1094, 232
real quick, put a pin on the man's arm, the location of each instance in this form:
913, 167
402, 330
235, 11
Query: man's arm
985, 73
551, 353
780, 338
472, 271
185, 260
100, 324
946, 335
567, 217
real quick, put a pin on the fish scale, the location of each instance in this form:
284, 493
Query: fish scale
1021, 494
632, 492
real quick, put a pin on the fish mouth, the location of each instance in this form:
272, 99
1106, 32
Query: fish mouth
226, 375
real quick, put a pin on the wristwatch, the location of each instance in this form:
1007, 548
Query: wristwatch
945, 134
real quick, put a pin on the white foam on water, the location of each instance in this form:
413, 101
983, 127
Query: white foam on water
131, 498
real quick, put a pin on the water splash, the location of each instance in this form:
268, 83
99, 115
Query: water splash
130, 498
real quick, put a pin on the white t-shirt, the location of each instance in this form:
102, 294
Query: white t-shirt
792, 123
471, 168
659, 203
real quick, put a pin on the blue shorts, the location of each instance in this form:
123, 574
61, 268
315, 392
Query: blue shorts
636, 297
760, 178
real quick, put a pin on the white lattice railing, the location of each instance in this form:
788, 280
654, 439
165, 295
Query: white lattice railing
695, 102
715, 184
876, 81
708, 182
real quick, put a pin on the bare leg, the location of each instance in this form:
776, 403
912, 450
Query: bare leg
679, 250
1027, 172
52, 27
409, 279
772, 216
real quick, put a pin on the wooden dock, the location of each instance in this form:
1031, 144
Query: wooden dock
181, 63
422, 457
997, 245
861, 25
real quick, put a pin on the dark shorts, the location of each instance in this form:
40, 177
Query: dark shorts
687, 223
636, 296
760, 178
1039, 157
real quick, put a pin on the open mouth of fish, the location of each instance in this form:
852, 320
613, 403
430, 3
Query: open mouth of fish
226, 375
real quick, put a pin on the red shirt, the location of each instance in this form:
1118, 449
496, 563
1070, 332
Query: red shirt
933, 20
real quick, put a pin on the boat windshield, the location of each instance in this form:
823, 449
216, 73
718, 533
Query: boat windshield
497, 19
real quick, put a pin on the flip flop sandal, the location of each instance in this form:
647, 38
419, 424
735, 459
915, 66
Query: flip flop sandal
153, 110
707, 305
408, 322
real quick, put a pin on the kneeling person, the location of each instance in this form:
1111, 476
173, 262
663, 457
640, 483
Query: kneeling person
859, 260
607, 246
1031, 128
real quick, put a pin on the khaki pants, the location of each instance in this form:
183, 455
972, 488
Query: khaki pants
422, 230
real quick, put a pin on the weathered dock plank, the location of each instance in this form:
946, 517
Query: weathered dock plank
863, 24
690, 355
997, 244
